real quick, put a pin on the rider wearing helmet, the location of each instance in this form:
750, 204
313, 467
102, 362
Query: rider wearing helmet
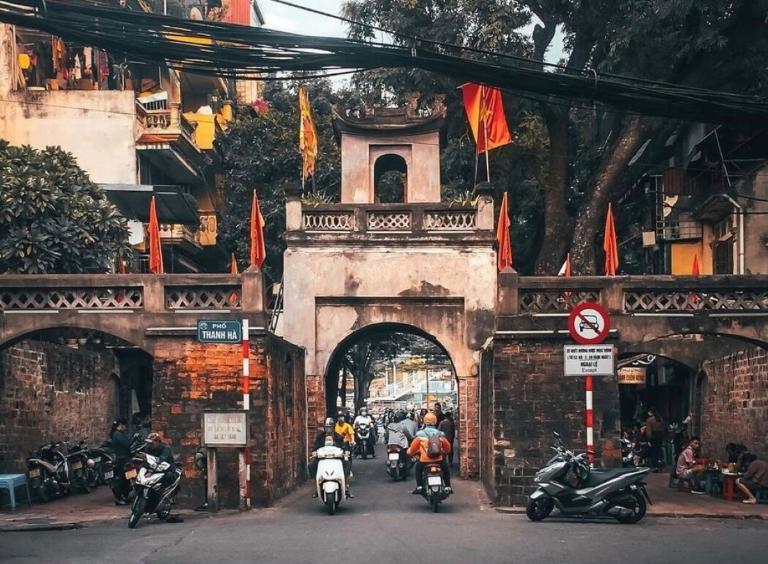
365, 419
420, 446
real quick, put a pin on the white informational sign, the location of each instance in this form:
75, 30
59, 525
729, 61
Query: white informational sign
588, 360
225, 429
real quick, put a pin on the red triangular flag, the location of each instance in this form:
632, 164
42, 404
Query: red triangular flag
610, 245
258, 247
485, 112
502, 236
565, 270
695, 270
233, 265
155, 249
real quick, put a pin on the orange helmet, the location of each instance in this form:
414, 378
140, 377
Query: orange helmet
430, 419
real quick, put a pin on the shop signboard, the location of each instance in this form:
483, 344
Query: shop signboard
631, 375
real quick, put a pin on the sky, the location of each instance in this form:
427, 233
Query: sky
286, 18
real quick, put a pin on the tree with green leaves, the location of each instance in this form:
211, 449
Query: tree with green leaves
53, 219
587, 155
261, 152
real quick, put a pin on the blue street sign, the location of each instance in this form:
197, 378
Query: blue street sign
209, 331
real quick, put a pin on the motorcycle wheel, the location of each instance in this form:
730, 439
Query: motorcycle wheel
638, 510
435, 504
92, 478
538, 509
137, 510
330, 504
42, 492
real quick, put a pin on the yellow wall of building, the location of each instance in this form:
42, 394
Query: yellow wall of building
682, 257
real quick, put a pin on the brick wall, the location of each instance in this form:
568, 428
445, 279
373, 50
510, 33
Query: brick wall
735, 402
51, 392
191, 378
531, 399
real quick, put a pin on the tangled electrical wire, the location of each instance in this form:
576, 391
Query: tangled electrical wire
249, 52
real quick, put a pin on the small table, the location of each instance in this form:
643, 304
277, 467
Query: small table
729, 485
12, 481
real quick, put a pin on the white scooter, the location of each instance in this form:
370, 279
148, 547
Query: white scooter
330, 479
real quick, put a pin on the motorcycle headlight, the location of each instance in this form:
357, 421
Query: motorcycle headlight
90, 463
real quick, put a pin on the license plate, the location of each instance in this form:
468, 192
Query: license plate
77, 465
434, 480
96, 459
34, 473
108, 475
394, 456
130, 475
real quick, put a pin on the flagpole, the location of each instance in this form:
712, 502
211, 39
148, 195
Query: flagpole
476, 162
303, 166
485, 132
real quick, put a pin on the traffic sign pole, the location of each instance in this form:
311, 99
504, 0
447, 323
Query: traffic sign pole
589, 420
245, 457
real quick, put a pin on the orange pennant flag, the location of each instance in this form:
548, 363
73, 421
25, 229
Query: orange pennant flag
155, 248
233, 265
565, 270
695, 269
610, 244
307, 134
485, 112
258, 246
503, 237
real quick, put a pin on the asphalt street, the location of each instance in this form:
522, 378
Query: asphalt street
384, 523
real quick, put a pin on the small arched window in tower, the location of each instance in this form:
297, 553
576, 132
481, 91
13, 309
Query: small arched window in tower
390, 178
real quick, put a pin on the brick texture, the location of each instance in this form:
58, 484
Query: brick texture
735, 402
531, 399
191, 378
51, 392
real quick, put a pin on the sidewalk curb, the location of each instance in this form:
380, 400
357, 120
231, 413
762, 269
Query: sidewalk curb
34, 527
666, 514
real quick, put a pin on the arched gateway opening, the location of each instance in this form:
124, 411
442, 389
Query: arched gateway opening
391, 366
68, 383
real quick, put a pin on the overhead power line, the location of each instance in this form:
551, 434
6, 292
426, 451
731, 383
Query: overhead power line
247, 52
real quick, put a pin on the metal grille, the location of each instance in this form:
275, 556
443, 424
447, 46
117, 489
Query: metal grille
325, 221
389, 221
203, 297
694, 300
71, 298
450, 220
555, 301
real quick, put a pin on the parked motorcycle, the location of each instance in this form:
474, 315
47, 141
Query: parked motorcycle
103, 463
82, 471
364, 440
398, 463
48, 472
434, 486
330, 479
568, 483
125, 474
627, 454
152, 496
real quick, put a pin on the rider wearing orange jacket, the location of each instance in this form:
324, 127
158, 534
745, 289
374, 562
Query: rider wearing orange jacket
420, 445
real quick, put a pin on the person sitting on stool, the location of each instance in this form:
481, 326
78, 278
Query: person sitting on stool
687, 469
755, 478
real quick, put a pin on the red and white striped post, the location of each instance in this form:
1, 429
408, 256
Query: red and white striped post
589, 420
246, 453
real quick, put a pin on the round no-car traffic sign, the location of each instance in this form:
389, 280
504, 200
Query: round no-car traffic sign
589, 323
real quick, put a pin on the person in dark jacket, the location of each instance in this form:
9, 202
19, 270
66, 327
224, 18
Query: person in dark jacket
156, 447
448, 428
120, 444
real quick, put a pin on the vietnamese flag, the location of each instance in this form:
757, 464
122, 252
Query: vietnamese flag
155, 248
258, 246
307, 134
610, 244
233, 265
502, 236
485, 112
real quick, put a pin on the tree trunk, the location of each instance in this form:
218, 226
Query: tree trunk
557, 222
591, 219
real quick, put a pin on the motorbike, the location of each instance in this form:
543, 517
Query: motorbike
123, 484
398, 463
364, 440
151, 495
48, 472
434, 486
627, 453
82, 468
330, 478
103, 463
569, 483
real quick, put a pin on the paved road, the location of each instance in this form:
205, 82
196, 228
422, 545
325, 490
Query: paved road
386, 524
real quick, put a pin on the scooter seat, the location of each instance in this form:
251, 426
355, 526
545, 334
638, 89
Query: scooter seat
597, 477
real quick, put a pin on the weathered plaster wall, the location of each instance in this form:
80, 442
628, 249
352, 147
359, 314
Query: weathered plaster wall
97, 127
422, 156
49, 392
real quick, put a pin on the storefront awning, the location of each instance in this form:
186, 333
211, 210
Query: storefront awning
173, 205
714, 208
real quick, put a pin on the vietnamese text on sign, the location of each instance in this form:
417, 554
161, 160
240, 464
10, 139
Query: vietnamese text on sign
225, 429
588, 360
219, 331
